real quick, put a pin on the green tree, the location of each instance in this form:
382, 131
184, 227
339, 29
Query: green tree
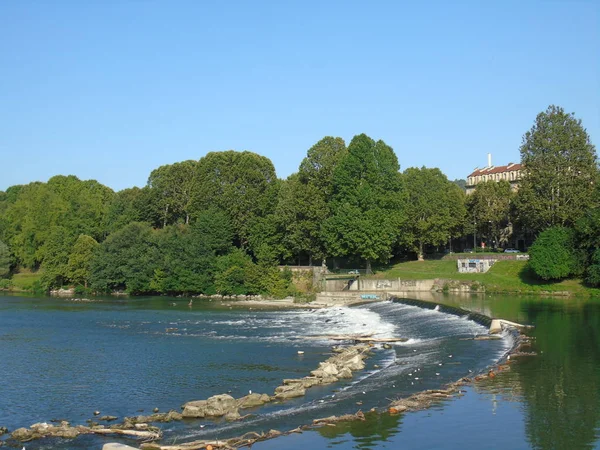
79, 207
232, 272
172, 188
78, 266
490, 206
457, 203
303, 203
131, 205
318, 167
125, 260
56, 250
301, 209
185, 261
554, 255
592, 273
434, 209
461, 183
5, 260
587, 231
366, 202
560, 171
243, 184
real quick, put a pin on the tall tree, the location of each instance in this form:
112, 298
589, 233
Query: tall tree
433, 208
304, 201
79, 263
321, 160
301, 209
79, 207
243, 184
126, 260
131, 205
172, 187
185, 261
560, 171
4, 260
366, 202
490, 207
56, 250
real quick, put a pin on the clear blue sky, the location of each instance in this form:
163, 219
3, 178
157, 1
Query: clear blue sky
110, 90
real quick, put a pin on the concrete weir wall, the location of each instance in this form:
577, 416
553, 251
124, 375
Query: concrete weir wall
374, 285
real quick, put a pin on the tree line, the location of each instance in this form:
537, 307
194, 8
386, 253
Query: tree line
223, 223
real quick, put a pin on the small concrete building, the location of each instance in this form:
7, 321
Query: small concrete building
474, 265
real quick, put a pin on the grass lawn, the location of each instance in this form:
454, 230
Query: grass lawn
504, 276
23, 281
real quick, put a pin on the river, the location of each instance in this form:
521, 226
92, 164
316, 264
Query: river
64, 359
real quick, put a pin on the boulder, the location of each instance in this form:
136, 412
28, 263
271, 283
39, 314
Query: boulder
21, 434
345, 373
253, 400
355, 363
289, 391
215, 406
232, 415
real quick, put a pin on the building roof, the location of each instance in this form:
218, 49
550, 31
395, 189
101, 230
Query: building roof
511, 167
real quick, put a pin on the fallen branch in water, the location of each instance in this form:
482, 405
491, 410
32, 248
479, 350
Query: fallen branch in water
148, 434
335, 419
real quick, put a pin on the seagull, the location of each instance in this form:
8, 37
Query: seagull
250, 392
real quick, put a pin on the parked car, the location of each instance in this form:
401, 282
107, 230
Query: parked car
511, 250
468, 250
354, 272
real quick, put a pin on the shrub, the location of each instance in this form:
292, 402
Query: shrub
592, 275
553, 255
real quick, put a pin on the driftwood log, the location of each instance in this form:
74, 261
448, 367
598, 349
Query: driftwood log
142, 434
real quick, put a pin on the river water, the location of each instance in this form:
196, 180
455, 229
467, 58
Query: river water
64, 359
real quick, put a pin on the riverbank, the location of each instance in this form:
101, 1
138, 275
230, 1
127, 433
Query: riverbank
508, 277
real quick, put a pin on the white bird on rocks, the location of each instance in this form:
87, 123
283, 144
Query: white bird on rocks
250, 392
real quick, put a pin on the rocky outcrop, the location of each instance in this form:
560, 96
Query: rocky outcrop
215, 406
340, 365
289, 391
223, 405
252, 401
65, 430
